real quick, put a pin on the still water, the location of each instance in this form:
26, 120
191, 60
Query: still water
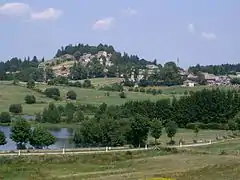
63, 138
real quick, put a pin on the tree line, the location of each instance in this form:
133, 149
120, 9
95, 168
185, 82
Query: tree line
223, 69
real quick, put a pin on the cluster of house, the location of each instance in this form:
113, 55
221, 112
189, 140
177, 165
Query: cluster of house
210, 79
63, 69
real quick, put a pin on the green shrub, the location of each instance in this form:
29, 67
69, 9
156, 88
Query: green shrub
122, 95
50, 82
130, 89
87, 83
71, 95
30, 99
136, 89
52, 93
107, 94
159, 91
154, 91
149, 91
15, 108
142, 90
31, 84
5, 117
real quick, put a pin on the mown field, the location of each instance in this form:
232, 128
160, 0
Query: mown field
182, 165
188, 136
10, 94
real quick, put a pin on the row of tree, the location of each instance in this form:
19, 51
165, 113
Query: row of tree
223, 69
107, 131
206, 106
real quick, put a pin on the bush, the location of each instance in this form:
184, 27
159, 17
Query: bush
154, 91
107, 94
31, 84
52, 93
130, 89
142, 90
75, 84
122, 95
136, 89
159, 91
61, 80
87, 83
5, 117
149, 91
30, 99
171, 142
129, 83
50, 82
15, 108
185, 92
71, 95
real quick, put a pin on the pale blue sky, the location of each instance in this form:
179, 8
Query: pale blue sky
203, 31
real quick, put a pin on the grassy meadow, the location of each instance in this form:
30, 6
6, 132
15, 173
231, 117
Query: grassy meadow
143, 165
188, 136
11, 94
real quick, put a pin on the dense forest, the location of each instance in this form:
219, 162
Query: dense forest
223, 69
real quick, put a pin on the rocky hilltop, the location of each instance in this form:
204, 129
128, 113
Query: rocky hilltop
102, 57
61, 65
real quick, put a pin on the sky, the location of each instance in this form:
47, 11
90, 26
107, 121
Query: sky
204, 32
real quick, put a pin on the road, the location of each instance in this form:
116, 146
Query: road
97, 151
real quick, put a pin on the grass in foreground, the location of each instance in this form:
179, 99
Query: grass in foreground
226, 147
118, 166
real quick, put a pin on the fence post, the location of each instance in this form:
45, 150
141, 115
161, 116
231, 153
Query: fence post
146, 147
19, 152
106, 149
180, 144
63, 150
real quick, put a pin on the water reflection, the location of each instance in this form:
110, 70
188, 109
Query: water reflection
63, 138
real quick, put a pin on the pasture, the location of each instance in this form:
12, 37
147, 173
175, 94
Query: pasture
124, 165
11, 94
188, 136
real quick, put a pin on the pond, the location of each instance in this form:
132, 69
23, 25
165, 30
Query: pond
63, 138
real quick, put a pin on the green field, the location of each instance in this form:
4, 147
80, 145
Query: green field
188, 136
10, 94
125, 165
227, 147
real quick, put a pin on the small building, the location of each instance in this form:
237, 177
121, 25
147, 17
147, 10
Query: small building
189, 83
